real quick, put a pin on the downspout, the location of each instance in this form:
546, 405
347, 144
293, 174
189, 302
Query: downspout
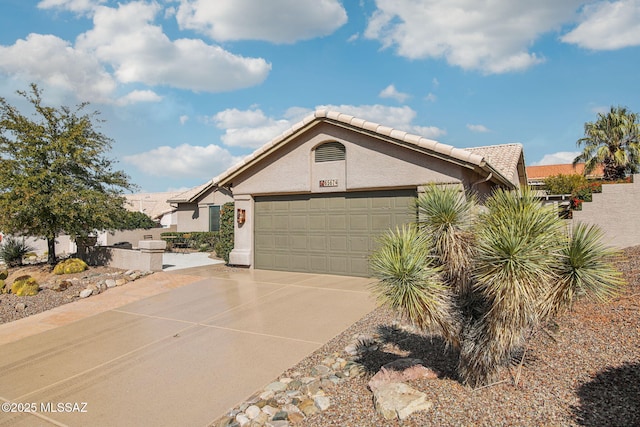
482, 180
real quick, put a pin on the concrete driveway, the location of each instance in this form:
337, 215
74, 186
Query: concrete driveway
172, 349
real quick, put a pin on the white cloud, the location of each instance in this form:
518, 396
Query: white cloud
249, 128
77, 6
493, 37
184, 119
391, 92
252, 128
140, 52
559, 158
139, 96
184, 161
607, 26
277, 21
49, 59
124, 46
478, 128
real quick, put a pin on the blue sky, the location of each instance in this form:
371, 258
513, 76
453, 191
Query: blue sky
189, 87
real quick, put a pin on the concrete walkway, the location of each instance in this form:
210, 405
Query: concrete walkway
171, 349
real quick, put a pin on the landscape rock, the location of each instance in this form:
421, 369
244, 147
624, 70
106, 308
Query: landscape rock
252, 411
401, 370
322, 402
110, 283
398, 400
85, 293
21, 306
276, 386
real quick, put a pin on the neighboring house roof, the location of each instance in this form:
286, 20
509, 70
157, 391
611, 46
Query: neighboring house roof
474, 160
539, 173
191, 195
155, 205
507, 158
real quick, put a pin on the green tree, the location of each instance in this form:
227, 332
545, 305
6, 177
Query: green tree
134, 220
54, 176
612, 141
486, 279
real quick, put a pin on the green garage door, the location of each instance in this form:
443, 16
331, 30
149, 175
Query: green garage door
333, 233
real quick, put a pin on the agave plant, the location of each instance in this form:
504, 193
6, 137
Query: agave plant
484, 281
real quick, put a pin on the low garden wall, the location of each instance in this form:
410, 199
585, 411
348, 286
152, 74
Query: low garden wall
148, 256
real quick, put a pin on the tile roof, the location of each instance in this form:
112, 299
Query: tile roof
477, 159
503, 157
544, 171
191, 194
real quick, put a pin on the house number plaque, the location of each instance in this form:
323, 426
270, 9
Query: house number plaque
328, 183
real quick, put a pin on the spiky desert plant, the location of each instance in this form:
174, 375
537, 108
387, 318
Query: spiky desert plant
584, 268
523, 269
447, 215
517, 246
411, 283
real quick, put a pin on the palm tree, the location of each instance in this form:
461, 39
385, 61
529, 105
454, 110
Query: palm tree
518, 267
613, 142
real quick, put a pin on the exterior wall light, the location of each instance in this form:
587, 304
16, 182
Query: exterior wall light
241, 216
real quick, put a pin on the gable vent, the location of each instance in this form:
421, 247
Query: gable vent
330, 152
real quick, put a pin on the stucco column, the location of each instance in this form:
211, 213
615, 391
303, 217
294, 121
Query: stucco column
151, 252
242, 253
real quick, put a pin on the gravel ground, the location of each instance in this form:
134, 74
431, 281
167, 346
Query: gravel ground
584, 371
47, 298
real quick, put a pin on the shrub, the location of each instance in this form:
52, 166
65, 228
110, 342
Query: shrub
25, 286
564, 184
13, 250
3, 287
70, 266
225, 239
4, 274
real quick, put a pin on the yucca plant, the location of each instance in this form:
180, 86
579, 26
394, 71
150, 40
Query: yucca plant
485, 281
13, 250
447, 215
410, 282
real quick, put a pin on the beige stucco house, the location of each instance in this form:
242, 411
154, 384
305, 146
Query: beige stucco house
316, 198
198, 209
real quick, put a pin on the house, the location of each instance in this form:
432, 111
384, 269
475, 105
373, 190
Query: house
154, 205
316, 198
198, 209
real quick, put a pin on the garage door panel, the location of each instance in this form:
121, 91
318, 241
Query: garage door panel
297, 262
280, 222
381, 221
336, 204
359, 244
299, 242
318, 262
337, 222
326, 233
338, 265
358, 222
359, 266
298, 223
318, 243
317, 223
338, 243
265, 241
